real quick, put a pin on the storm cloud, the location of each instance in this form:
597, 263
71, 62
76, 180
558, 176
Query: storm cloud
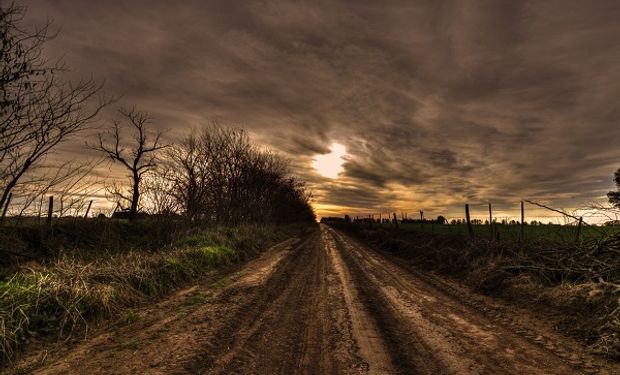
437, 102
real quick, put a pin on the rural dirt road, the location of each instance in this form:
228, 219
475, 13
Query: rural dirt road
324, 304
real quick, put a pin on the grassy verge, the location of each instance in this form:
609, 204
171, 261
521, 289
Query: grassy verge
58, 296
581, 281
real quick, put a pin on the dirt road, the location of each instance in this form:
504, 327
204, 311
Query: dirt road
324, 304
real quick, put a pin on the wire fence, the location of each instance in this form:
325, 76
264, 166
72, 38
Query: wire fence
554, 224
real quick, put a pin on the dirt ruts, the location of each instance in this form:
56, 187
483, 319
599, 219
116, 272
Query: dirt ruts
323, 304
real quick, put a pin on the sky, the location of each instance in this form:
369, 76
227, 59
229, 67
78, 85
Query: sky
426, 105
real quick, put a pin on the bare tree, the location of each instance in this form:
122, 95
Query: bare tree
157, 190
138, 158
38, 109
220, 176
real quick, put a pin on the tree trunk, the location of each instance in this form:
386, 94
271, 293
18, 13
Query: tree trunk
7, 190
135, 197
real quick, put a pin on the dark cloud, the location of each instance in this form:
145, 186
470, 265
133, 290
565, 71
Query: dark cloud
438, 103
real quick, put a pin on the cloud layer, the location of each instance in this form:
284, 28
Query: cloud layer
437, 103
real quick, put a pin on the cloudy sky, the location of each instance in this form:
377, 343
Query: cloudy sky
436, 103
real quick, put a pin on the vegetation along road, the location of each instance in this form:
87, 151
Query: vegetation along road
325, 304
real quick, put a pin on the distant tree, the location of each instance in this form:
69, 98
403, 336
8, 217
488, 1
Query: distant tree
139, 157
220, 176
441, 220
614, 196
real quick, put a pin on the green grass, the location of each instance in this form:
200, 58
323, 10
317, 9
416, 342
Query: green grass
197, 300
132, 344
221, 283
129, 316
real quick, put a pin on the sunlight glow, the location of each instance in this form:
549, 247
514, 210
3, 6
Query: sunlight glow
330, 165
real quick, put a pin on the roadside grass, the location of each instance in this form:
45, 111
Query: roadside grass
197, 300
129, 316
581, 280
132, 344
221, 283
63, 295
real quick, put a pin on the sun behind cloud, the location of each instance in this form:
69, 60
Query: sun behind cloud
330, 165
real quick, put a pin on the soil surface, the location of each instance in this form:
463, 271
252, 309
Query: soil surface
324, 304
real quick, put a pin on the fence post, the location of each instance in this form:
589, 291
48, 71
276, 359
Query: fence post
395, 220
50, 209
522, 222
491, 221
88, 209
6, 206
422, 220
578, 235
467, 217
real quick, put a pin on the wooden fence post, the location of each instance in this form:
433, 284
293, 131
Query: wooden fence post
50, 209
6, 207
422, 220
395, 220
467, 217
578, 235
88, 209
491, 221
522, 222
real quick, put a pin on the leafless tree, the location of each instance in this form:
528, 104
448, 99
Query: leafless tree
38, 108
157, 194
220, 176
139, 158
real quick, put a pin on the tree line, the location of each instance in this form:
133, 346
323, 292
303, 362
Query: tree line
214, 174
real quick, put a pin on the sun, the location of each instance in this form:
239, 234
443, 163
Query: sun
330, 165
